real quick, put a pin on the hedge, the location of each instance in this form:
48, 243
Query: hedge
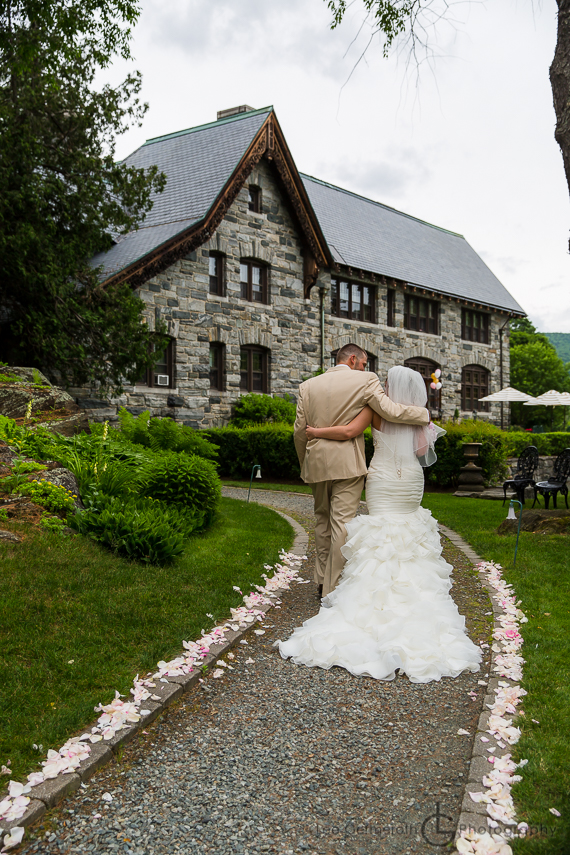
262, 409
546, 443
450, 456
272, 446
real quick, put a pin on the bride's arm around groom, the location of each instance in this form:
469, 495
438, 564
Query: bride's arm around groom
336, 469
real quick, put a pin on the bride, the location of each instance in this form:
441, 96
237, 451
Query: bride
392, 608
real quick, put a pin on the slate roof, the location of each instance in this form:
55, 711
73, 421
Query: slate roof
369, 236
197, 162
360, 233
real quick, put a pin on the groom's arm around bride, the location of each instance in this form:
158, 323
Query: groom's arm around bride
335, 469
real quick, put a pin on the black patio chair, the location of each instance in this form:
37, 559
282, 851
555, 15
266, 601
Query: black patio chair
557, 481
527, 465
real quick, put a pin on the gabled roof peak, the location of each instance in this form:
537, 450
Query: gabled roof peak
226, 121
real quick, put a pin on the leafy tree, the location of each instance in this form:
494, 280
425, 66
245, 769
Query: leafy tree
535, 368
523, 331
413, 19
62, 196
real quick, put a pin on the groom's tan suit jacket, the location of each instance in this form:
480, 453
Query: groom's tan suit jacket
335, 398
336, 470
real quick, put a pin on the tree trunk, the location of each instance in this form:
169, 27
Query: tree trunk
560, 80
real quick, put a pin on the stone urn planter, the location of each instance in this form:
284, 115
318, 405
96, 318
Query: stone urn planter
471, 478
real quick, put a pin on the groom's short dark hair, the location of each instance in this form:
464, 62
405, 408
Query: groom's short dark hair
344, 354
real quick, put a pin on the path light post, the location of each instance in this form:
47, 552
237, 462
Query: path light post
257, 475
512, 516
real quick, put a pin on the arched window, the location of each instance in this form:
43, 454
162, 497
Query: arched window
254, 369
426, 367
474, 385
161, 375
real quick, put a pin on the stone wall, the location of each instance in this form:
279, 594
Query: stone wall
289, 326
393, 345
544, 471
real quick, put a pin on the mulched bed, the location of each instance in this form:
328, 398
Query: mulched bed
283, 759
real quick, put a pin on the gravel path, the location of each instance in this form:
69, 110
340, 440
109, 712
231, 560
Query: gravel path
283, 759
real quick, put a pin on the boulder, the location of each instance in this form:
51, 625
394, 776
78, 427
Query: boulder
28, 375
33, 386
547, 522
9, 536
63, 478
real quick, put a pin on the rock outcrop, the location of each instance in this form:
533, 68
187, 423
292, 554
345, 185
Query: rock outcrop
52, 407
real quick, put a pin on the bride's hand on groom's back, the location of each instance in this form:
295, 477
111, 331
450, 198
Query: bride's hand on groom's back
311, 432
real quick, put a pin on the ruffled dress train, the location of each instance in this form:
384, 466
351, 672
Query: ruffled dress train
392, 608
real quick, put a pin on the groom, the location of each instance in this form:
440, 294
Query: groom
336, 470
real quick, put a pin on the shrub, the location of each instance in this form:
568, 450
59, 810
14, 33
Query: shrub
119, 475
259, 409
164, 435
271, 446
450, 457
49, 496
53, 524
546, 443
141, 529
187, 481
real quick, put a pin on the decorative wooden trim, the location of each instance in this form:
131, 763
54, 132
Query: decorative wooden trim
317, 254
268, 141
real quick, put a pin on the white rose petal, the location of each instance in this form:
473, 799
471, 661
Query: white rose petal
14, 838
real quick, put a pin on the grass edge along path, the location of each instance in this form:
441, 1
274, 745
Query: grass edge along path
77, 623
540, 581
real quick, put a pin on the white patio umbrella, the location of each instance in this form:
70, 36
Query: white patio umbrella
506, 395
552, 398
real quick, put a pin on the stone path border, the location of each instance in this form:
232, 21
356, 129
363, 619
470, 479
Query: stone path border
48, 794
473, 815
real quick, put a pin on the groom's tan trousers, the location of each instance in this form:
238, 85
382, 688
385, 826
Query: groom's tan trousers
336, 502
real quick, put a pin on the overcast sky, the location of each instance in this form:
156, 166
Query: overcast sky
469, 147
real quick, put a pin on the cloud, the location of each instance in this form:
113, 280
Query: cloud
389, 179
554, 317
260, 34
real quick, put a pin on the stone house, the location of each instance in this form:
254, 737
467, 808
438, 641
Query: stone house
261, 273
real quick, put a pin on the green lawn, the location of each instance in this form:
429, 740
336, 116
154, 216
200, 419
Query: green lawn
65, 599
542, 581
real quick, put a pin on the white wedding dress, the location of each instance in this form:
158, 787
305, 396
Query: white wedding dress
392, 608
